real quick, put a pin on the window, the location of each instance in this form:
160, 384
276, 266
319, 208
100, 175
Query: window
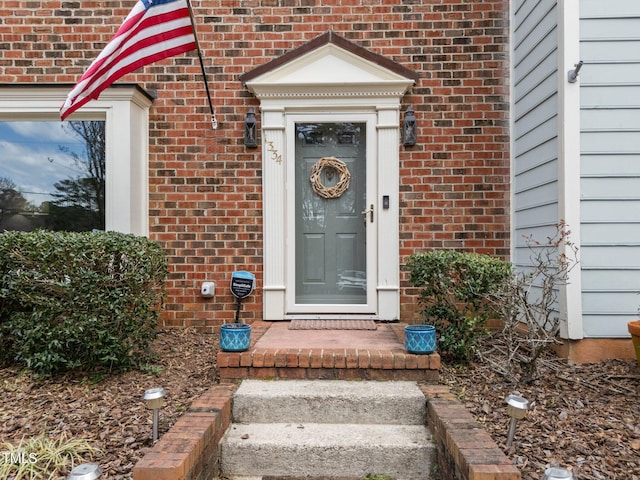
109, 134
52, 175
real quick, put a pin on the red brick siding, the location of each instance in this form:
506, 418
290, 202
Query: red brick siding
205, 187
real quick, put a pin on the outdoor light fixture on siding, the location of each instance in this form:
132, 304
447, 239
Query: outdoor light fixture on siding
250, 129
154, 399
572, 75
409, 135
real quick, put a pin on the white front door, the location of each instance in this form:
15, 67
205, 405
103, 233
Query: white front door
332, 234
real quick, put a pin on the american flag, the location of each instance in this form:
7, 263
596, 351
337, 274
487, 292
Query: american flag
154, 30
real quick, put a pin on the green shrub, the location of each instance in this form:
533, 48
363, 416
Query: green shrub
453, 287
78, 300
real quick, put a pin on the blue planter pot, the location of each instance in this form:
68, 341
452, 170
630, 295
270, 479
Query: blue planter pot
235, 337
420, 339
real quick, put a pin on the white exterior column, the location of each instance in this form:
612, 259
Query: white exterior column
388, 219
569, 184
127, 148
273, 210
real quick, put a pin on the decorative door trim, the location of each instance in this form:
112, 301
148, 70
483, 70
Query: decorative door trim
332, 76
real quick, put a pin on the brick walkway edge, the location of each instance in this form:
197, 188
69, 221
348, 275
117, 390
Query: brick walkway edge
465, 450
189, 450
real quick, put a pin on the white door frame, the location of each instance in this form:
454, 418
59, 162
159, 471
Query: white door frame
329, 80
293, 309
279, 225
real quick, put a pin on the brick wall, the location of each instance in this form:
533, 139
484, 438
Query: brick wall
205, 187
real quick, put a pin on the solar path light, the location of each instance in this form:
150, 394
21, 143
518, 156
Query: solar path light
557, 473
154, 400
85, 471
516, 408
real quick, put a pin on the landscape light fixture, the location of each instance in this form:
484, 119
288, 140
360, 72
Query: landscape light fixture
557, 473
154, 399
516, 408
409, 134
250, 129
85, 471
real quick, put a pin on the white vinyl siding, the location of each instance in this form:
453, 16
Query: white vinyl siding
610, 165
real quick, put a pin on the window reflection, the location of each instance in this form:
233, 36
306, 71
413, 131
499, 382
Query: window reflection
52, 175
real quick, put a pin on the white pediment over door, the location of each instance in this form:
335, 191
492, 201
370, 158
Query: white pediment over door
329, 65
323, 80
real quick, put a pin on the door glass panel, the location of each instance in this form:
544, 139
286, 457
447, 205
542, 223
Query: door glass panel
330, 232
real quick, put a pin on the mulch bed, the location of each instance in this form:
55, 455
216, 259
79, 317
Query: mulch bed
583, 417
109, 412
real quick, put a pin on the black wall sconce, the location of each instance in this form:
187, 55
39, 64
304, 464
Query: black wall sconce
409, 135
250, 130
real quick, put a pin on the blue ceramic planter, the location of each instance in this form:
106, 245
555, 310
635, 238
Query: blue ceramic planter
420, 339
235, 337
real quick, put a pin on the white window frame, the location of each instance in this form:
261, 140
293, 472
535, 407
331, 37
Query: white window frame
125, 109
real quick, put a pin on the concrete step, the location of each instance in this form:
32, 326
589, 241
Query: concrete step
308, 450
329, 401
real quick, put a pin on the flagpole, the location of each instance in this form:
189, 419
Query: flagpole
214, 122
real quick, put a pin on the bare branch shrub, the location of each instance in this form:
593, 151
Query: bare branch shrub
527, 303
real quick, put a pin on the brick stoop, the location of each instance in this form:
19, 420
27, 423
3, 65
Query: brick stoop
189, 450
465, 450
327, 362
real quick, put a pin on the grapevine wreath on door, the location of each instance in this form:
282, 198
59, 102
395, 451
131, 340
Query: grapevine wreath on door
332, 165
